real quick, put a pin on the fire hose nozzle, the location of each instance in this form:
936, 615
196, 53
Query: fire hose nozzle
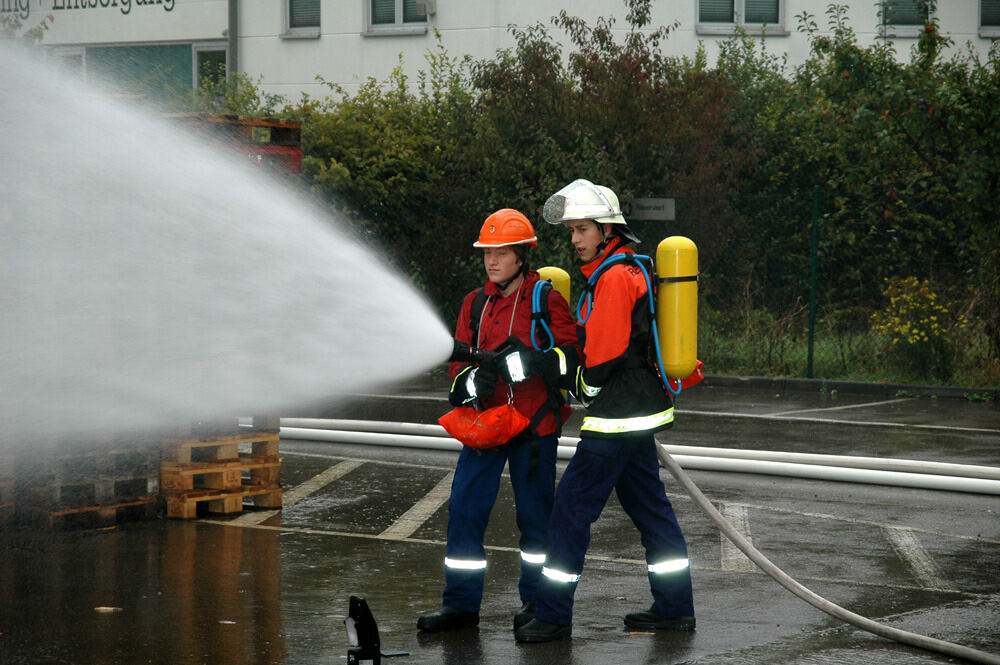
461, 353
465, 353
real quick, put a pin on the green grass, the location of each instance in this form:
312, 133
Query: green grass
760, 344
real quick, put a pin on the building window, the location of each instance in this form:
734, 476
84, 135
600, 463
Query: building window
302, 19
397, 16
154, 72
721, 17
902, 18
989, 18
210, 66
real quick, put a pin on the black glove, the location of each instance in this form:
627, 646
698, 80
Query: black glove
459, 393
557, 367
472, 384
584, 393
516, 360
484, 379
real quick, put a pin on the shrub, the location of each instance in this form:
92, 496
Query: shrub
918, 328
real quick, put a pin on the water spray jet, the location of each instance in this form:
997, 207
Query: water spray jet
146, 279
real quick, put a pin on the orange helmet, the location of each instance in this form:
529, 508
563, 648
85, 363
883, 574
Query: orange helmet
506, 227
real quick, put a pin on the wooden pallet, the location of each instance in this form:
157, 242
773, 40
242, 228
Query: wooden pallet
185, 505
87, 485
99, 516
218, 448
54, 493
6, 514
6, 490
221, 472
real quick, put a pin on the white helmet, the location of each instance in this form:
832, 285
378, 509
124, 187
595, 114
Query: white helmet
582, 199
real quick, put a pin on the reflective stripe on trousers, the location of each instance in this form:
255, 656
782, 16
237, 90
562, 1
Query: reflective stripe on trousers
668, 566
465, 564
560, 576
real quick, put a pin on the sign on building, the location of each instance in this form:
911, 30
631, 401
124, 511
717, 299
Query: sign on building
653, 209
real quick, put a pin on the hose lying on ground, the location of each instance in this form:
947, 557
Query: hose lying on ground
912, 639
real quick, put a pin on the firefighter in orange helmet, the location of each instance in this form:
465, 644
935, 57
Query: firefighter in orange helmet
497, 313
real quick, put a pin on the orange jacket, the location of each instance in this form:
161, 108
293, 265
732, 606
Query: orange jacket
615, 342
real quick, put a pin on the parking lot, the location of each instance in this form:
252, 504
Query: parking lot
370, 520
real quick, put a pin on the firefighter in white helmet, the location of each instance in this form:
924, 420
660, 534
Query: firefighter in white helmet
626, 404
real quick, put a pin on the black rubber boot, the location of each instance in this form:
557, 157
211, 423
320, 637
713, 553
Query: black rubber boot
648, 620
447, 618
525, 614
537, 630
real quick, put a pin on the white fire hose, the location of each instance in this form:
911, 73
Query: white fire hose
820, 603
908, 473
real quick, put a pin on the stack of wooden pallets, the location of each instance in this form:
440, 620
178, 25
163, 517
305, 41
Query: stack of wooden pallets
88, 485
222, 472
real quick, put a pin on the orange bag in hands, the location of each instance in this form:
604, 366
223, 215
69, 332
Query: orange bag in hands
484, 429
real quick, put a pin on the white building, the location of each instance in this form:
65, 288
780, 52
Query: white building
285, 44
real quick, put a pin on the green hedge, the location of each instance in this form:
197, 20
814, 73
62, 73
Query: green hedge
905, 156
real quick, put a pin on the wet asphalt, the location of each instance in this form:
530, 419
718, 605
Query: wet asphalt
269, 587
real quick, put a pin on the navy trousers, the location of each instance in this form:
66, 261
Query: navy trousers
630, 467
473, 493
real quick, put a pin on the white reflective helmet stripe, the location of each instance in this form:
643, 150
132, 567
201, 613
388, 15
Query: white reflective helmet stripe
528, 557
668, 566
612, 209
470, 383
623, 425
465, 564
559, 576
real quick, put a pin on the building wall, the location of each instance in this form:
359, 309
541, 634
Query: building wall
343, 51
124, 21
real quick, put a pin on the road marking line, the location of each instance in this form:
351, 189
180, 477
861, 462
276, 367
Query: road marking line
301, 491
421, 511
913, 553
731, 556
844, 407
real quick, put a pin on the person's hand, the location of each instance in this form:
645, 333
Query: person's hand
471, 385
484, 381
557, 366
517, 361
584, 393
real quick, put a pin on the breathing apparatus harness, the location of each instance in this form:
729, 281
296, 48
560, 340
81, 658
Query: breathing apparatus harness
645, 265
540, 315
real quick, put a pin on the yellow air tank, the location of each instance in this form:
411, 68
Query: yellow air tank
677, 305
560, 282
559, 279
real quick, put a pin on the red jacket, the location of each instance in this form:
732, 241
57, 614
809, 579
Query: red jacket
503, 317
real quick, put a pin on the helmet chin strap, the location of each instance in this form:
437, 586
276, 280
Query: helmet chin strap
605, 239
503, 287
